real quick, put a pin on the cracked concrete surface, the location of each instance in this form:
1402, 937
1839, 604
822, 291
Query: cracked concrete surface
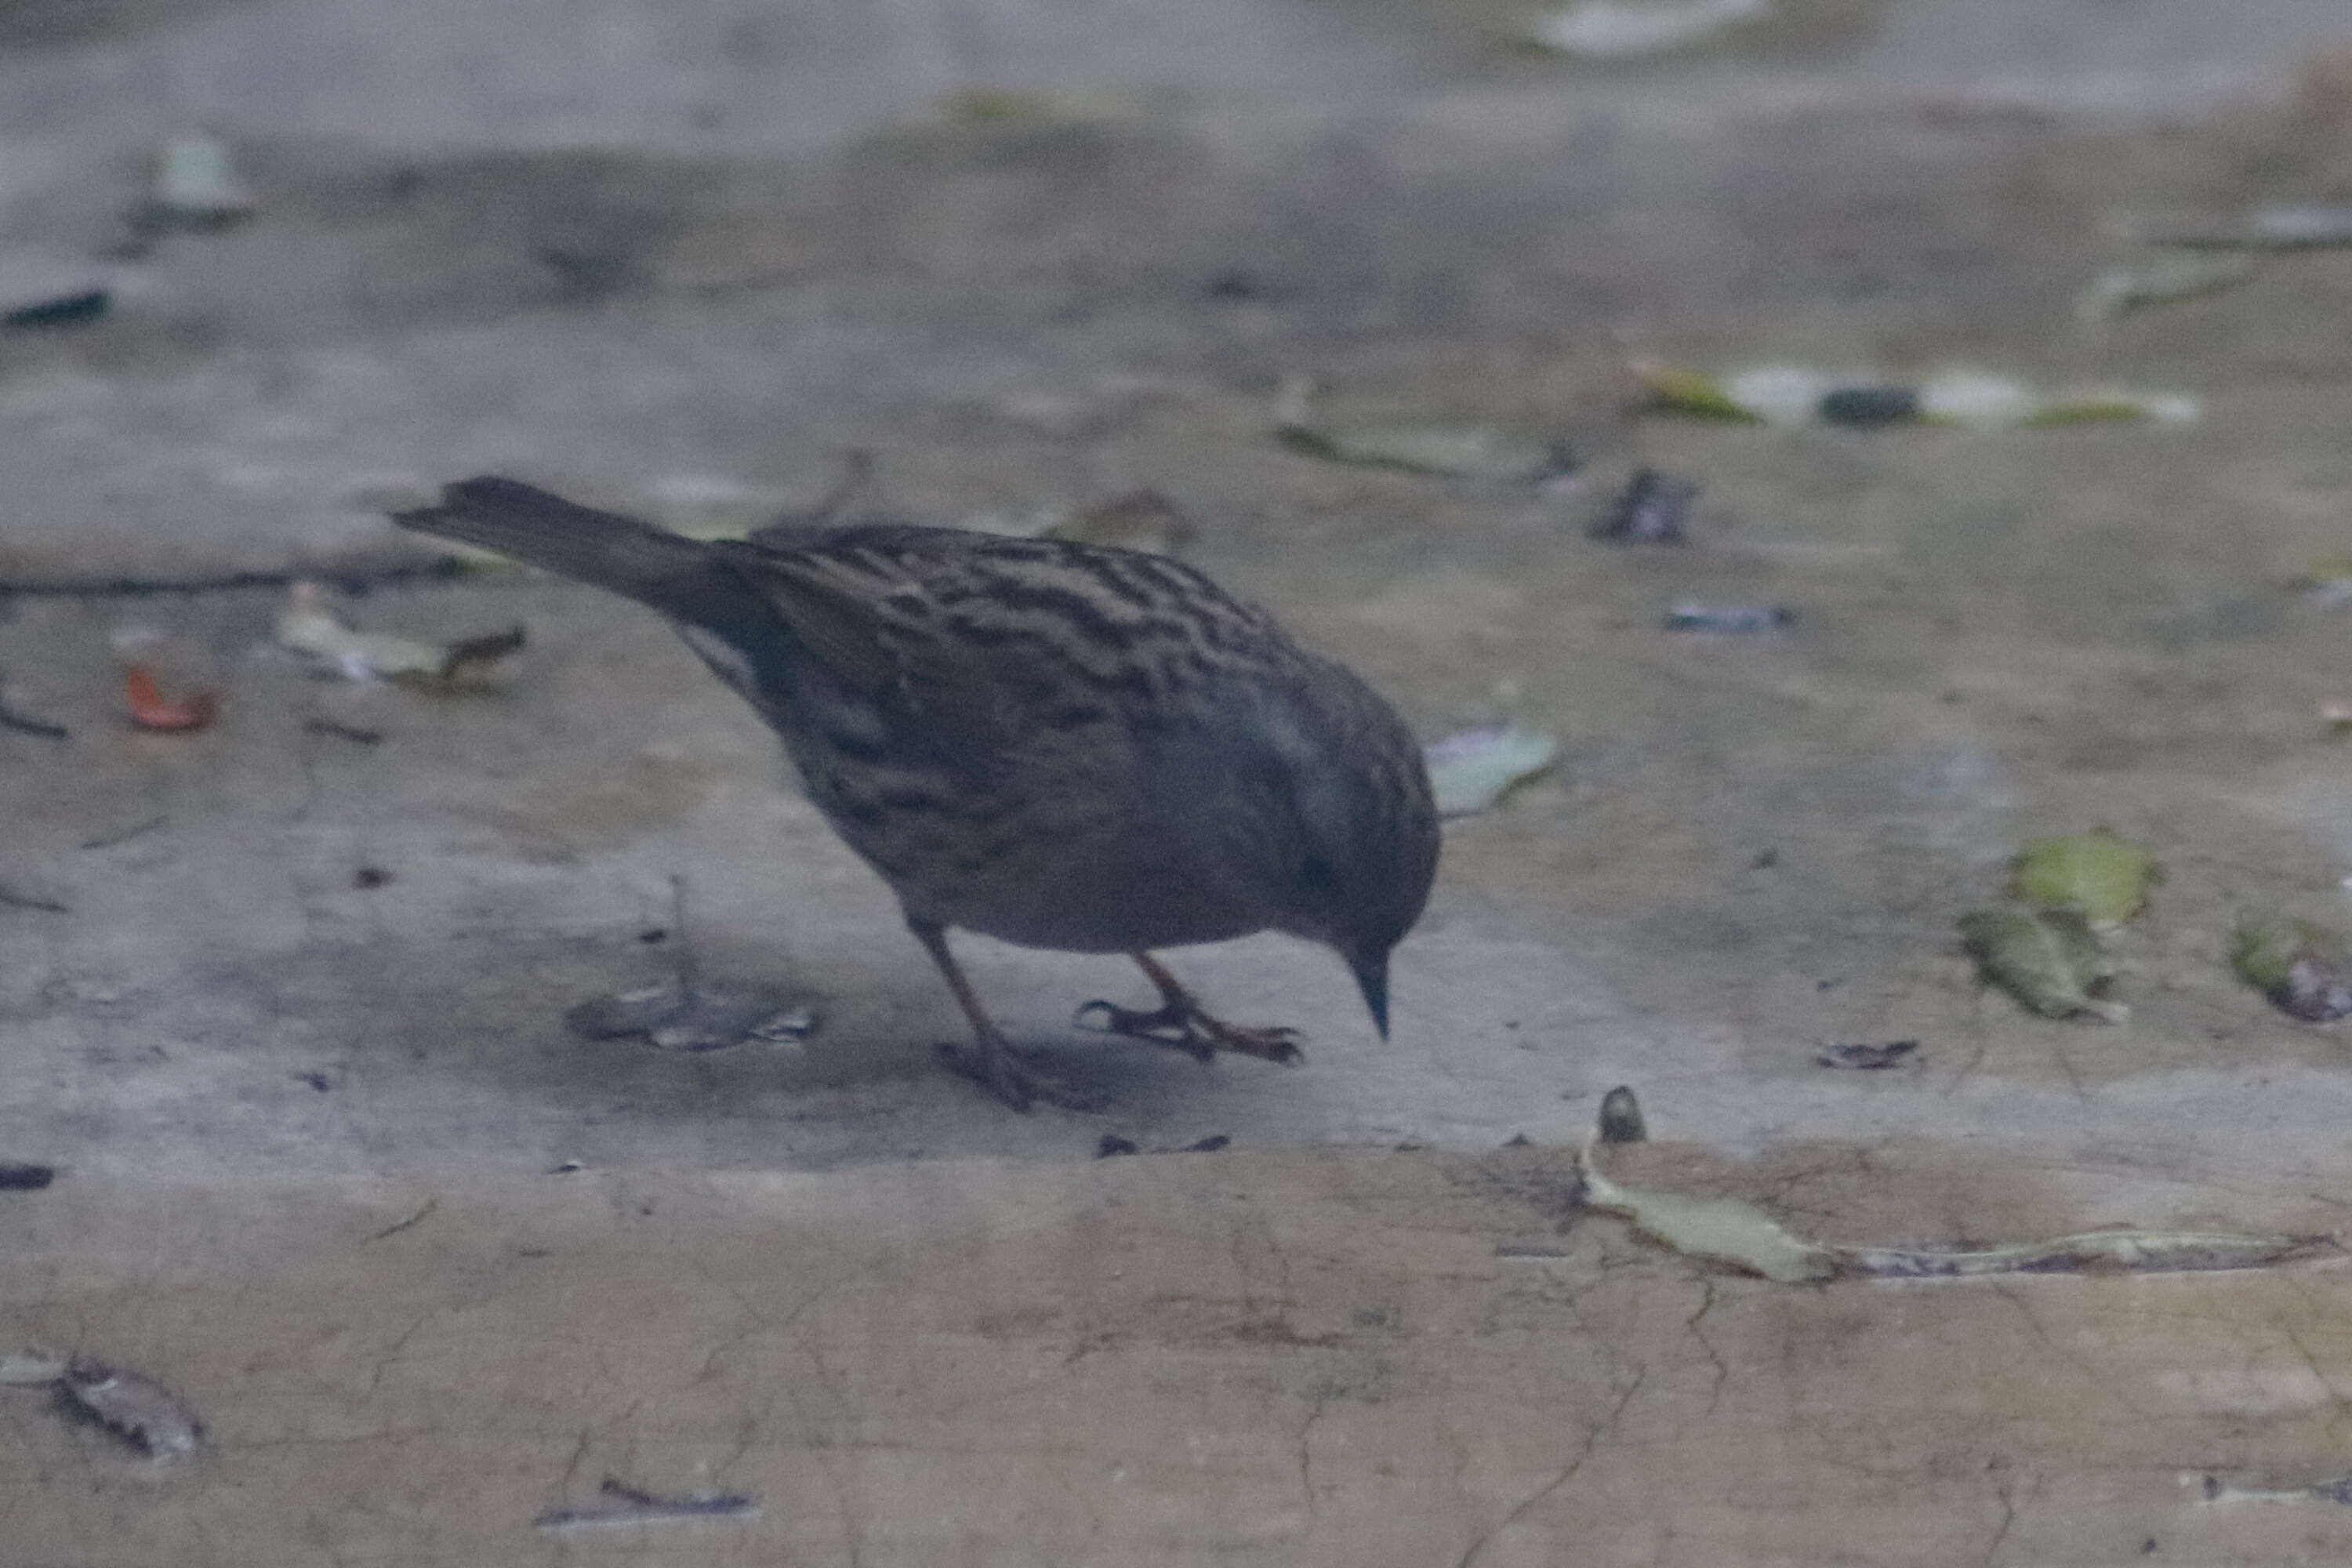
284, 1009
1306, 1356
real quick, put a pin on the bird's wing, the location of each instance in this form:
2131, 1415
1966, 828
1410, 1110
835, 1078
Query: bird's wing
1001, 638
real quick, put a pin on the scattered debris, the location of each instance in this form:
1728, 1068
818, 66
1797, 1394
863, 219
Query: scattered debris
631, 1507
18, 1177
308, 627
358, 736
2048, 958
1867, 1056
76, 310
1738, 620
1616, 29
197, 187
24, 724
2161, 278
2273, 225
686, 1013
1470, 772
568, 1168
1790, 395
1138, 520
704, 1016
134, 1407
150, 709
1112, 1146
1457, 451
2099, 875
2301, 965
1648, 511
1621, 1119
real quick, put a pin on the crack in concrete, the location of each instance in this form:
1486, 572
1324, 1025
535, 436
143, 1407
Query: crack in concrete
1306, 1459
1566, 1474
2001, 1533
413, 1221
1715, 1358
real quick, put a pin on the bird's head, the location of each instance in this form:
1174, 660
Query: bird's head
1369, 851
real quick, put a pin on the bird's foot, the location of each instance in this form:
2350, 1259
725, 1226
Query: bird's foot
1181, 1026
997, 1069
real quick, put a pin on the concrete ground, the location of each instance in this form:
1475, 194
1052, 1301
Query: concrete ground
266, 990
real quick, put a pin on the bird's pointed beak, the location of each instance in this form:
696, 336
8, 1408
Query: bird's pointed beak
1372, 978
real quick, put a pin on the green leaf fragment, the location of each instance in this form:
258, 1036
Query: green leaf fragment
2097, 408
1679, 389
2301, 965
2099, 875
1717, 1230
2048, 958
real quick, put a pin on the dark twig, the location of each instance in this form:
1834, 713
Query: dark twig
125, 835
23, 725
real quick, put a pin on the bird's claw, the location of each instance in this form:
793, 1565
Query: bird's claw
1163, 1026
1189, 1030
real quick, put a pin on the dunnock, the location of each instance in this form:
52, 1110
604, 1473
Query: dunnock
1064, 745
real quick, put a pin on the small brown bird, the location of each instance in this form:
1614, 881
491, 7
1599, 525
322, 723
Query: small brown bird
1064, 745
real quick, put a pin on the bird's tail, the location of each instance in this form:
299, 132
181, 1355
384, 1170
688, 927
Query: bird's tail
678, 576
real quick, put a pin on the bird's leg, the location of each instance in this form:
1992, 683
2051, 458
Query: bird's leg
1178, 1022
991, 1061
